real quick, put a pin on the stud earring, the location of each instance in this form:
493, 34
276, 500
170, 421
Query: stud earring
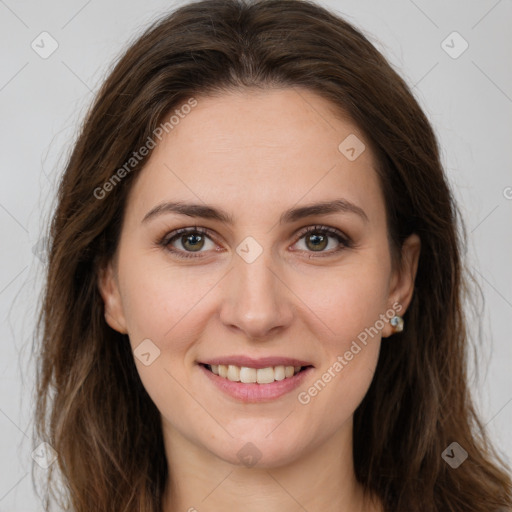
398, 323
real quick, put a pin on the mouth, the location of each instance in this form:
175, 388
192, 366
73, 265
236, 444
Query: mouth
251, 375
261, 380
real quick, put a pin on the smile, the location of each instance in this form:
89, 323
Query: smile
249, 375
251, 385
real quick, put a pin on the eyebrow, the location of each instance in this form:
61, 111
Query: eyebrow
292, 215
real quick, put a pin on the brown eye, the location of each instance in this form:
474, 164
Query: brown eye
192, 241
318, 239
186, 241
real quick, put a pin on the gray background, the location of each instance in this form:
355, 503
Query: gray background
42, 101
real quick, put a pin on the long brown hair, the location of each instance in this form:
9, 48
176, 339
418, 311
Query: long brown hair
91, 405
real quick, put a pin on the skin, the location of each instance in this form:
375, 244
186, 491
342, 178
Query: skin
256, 154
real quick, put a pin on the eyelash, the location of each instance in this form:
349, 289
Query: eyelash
324, 230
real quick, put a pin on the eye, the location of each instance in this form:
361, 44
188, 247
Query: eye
192, 240
316, 239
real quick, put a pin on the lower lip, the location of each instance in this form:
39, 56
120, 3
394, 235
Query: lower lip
257, 392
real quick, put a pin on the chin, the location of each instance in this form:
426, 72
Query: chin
257, 451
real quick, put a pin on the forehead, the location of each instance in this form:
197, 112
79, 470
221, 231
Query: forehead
259, 150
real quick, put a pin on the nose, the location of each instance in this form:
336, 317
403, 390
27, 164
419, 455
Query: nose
256, 300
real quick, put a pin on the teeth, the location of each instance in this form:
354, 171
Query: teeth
248, 375
252, 375
265, 375
279, 373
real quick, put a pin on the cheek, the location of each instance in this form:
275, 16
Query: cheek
350, 343
347, 302
158, 300
164, 305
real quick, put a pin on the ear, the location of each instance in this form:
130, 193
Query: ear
109, 291
402, 281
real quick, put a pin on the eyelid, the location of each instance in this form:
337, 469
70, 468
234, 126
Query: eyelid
334, 232
343, 239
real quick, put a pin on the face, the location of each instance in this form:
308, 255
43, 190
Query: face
256, 279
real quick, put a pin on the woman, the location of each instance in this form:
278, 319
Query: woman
255, 288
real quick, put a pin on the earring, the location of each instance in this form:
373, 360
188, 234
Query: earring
398, 323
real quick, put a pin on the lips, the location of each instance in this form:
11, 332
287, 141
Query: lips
256, 380
254, 391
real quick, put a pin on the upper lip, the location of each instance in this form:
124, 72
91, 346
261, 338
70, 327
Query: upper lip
263, 362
